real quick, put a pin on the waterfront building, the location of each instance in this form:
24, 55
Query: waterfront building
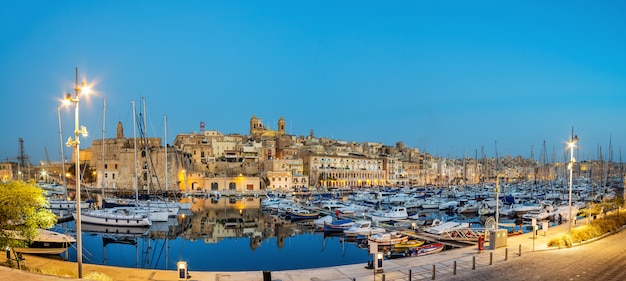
113, 162
284, 174
207, 161
343, 170
8, 170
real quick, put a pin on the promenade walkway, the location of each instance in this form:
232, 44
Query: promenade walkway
431, 267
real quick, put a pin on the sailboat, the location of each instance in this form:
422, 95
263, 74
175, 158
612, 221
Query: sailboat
122, 216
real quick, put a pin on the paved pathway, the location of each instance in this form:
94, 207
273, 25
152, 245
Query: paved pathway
535, 263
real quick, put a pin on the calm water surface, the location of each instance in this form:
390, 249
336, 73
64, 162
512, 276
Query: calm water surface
206, 242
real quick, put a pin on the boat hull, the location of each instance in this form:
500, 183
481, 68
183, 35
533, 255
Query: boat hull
48, 243
114, 219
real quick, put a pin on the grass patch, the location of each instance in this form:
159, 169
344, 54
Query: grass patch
65, 272
56, 271
97, 276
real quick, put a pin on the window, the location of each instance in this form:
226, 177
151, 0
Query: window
232, 186
214, 186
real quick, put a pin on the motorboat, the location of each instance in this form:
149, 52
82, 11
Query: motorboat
363, 227
46, 242
397, 212
387, 239
338, 226
302, 214
403, 246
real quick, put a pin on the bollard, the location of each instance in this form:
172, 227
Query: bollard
383, 277
454, 269
267, 275
433, 278
491, 258
474, 263
506, 253
520, 250
410, 274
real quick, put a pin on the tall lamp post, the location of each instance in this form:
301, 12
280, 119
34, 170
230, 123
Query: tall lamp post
571, 144
75, 144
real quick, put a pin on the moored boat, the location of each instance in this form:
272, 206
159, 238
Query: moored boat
363, 227
338, 226
397, 212
387, 239
402, 246
115, 217
422, 250
300, 215
47, 242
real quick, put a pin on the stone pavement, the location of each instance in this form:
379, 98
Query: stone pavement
440, 265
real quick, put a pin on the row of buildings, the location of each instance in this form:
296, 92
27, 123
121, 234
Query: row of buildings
209, 161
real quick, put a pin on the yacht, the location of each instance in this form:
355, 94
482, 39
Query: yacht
396, 213
115, 217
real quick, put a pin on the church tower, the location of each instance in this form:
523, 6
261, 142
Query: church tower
255, 125
120, 131
281, 125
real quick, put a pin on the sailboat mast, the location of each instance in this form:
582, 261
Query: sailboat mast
135, 155
165, 146
62, 154
145, 144
104, 118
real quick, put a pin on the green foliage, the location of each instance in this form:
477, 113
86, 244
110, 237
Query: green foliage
23, 210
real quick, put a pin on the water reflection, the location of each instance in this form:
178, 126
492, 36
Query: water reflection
229, 234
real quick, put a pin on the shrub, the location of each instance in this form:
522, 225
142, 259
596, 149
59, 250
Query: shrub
594, 229
563, 240
56, 271
97, 276
585, 232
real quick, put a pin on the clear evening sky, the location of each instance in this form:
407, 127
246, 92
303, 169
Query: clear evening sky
447, 77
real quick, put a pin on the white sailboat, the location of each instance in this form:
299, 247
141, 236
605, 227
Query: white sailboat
115, 217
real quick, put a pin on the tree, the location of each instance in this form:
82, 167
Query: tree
23, 210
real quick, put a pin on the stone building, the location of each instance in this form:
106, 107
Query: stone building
282, 174
114, 162
343, 170
258, 130
8, 171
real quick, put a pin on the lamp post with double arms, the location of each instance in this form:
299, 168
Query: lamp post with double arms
75, 144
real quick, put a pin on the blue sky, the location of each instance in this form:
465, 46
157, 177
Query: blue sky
447, 77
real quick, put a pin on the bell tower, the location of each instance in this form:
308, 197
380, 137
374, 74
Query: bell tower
255, 125
281, 125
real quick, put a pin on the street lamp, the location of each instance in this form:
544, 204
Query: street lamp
571, 144
75, 144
